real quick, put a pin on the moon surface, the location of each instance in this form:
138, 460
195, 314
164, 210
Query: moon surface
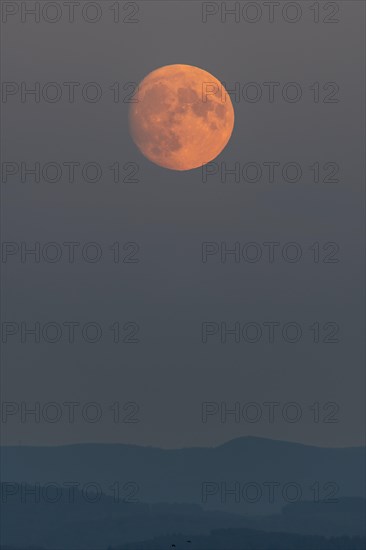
182, 117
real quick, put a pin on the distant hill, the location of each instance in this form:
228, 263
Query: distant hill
347, 517
182, 475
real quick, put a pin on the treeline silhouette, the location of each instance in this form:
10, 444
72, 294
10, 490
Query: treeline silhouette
249, 539
65, 525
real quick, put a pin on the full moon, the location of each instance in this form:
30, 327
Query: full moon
182, 117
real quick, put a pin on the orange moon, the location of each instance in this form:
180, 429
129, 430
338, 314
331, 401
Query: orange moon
182, 117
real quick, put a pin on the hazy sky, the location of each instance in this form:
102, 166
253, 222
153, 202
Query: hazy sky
170, 292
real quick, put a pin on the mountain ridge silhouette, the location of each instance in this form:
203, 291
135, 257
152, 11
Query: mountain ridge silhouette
180, 475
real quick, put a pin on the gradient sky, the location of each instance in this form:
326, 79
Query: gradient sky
170, 292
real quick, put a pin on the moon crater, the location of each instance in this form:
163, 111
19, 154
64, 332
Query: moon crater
182, 118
